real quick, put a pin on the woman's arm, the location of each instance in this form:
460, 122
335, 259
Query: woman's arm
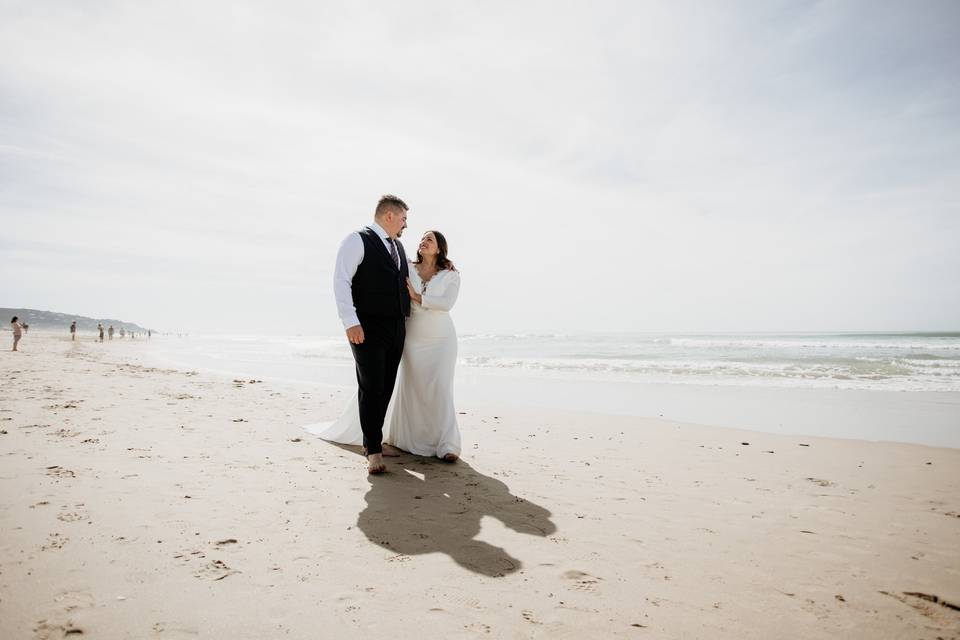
445, 300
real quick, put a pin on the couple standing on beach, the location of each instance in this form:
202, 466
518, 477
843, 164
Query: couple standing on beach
396, 316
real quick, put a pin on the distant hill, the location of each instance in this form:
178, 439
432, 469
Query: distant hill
53, 320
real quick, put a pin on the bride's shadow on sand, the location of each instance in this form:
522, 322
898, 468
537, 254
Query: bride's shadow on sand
423, 505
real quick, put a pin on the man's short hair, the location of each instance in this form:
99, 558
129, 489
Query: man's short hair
389, 202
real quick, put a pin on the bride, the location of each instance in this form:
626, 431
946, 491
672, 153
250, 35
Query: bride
421, 418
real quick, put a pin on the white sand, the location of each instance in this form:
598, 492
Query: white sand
138, 502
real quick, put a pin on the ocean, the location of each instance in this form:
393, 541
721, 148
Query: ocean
865, 361
899, 387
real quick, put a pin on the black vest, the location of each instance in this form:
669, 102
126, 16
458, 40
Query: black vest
379, 288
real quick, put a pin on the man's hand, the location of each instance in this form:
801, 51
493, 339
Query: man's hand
416, 297
355, 334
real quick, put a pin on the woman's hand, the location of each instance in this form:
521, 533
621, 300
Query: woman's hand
416, 297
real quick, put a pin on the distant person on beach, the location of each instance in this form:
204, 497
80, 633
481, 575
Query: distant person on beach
73, 330
26, 327
17, 331
149, 333
100, 329
110, 332
123, 332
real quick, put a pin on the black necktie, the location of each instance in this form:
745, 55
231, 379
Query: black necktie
393, 252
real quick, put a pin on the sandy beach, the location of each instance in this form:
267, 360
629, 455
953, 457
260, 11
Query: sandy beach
146, 502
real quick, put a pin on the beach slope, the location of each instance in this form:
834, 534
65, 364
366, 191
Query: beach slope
144, 502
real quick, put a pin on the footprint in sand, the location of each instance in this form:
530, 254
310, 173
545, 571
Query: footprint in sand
71, 516
582, 581
59, 472
400, 557
190, 554
820, 610
73, 600
74, 404
54, 541
215, 570
48, 630
170, 631
528, 616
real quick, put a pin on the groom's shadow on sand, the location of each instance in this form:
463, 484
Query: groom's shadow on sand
424, 505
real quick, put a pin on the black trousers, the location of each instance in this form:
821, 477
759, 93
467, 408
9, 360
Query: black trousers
377, 359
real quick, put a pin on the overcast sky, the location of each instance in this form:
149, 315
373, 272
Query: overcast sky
601, 166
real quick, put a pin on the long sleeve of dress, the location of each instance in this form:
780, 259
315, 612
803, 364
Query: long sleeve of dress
446, 297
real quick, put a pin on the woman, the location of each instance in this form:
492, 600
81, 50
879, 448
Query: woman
17, 331
421, 418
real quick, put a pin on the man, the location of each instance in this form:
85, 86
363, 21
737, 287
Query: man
73, 330
370, 285
110, 333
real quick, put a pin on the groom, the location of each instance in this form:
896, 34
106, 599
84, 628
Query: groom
370, 285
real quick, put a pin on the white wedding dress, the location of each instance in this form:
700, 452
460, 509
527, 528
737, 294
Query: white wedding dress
421, 418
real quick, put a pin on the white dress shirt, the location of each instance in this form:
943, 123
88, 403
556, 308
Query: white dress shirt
349, 257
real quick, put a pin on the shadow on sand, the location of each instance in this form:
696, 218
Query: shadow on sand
424, 505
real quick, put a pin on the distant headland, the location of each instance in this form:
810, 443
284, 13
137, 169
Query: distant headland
55, 320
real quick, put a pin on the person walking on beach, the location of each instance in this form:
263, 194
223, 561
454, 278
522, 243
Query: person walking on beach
100, 329
370, 287
110, 332
17, 331
73, 330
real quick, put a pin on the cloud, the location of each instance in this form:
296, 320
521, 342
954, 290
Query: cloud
595, 166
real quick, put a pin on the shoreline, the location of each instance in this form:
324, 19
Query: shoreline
153, 502
930, 418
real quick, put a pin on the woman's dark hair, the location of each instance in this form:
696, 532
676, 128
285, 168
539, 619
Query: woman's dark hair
14, 319
442, 261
